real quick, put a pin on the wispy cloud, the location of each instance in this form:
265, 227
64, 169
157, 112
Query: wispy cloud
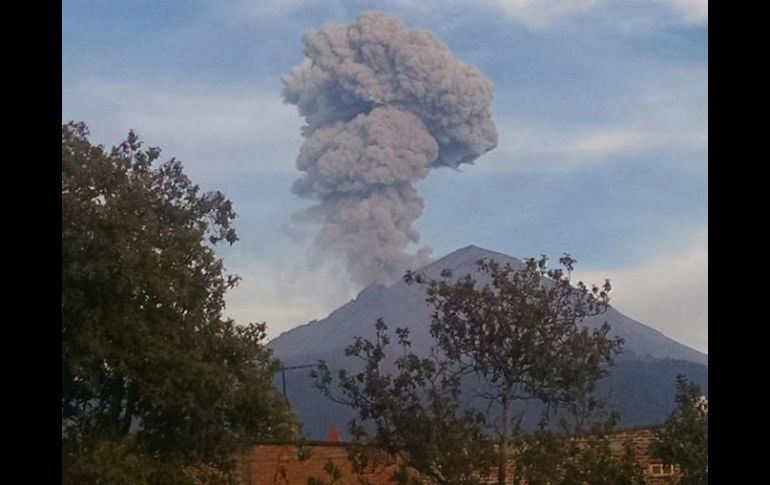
534, 14
212, 128
695, 11
540, 14
262, 8
671, 117
532, 147
668, 292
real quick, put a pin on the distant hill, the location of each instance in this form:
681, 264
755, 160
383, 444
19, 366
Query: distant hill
641, 384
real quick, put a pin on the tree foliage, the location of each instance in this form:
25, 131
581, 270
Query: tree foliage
517, 331
549, 458
683, 439
520, 330
415, 412
145, 348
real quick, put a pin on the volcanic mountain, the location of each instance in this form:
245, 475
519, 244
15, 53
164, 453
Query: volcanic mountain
640, 384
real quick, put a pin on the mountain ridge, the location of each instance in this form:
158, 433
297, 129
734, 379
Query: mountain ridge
641, 381
645, 340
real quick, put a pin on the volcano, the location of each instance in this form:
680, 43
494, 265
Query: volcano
641, 384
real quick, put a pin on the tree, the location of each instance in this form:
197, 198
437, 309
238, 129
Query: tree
415, 413
549, 458
146, 353
517, 334
520, 331
683, 439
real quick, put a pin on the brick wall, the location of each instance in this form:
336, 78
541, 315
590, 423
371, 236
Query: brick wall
655, 472
281, 464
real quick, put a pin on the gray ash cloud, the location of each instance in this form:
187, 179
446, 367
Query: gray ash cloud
383, 106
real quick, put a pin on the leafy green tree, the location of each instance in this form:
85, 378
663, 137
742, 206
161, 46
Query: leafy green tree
550, 458
519, 329
516, 332
415, 413
683, 439
146, 351
117, 461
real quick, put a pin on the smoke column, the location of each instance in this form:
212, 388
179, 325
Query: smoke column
383, 106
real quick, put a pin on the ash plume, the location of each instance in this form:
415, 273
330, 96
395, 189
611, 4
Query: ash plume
383, 106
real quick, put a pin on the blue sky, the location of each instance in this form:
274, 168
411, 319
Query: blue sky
601, 107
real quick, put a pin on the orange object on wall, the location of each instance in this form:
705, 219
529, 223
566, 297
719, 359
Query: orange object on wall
334, 435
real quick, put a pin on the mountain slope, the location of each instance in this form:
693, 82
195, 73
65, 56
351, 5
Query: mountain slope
648, 355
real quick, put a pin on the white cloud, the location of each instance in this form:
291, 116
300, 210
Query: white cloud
264, 8
539, 14
209, 128
535, 14
527, 146
669, 292
606, 142
666, 114
695, 11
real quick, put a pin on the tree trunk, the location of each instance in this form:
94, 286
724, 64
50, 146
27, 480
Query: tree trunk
502, 478
130, 402
116, 404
